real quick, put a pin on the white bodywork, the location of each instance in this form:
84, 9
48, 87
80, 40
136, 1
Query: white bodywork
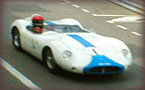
81, 55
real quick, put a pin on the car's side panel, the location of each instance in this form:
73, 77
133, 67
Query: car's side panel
29, 40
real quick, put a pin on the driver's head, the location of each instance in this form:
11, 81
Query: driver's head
37, 21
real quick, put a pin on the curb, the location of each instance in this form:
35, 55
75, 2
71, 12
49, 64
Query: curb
130, 5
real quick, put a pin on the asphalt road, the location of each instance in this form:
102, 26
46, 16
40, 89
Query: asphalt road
94, 15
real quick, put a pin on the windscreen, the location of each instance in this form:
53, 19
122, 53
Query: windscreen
63, 28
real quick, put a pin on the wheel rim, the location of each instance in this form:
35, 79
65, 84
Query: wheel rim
17, 40
50, 62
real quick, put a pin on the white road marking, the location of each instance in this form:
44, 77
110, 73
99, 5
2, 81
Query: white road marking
107, 15
85, 10
67, 1
110, 21
127, 19
19, 75
94, 14
74, 5
122, 27
135, 33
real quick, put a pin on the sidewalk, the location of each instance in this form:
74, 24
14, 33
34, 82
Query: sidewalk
134, 5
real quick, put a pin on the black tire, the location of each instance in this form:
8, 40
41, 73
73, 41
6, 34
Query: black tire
50, 61
16, 39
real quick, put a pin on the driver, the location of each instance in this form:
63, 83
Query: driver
37, 23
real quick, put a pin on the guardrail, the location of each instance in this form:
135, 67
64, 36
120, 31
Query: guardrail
131, 5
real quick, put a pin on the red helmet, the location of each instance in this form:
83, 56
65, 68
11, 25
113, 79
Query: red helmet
37, 21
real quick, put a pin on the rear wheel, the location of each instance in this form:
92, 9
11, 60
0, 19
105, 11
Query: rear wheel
16, 39
50, 61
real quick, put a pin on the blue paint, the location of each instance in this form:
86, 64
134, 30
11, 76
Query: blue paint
81, 40
49, 23
96, 60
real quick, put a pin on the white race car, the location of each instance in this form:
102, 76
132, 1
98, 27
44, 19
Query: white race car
71, 47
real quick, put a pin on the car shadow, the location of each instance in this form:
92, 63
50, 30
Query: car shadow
132, 74
76, 77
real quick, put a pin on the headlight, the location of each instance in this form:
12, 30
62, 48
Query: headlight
125, 52
67, 54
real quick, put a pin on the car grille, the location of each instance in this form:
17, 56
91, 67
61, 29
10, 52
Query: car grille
105, 69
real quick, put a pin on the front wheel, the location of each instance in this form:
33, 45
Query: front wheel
16, 39
50, 61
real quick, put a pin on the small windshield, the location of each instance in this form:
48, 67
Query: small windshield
63, 28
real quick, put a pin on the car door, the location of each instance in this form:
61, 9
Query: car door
30, 42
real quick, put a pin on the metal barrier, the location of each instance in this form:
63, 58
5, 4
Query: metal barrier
134, 5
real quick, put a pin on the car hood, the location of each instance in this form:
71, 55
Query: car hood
88, 42
93, 44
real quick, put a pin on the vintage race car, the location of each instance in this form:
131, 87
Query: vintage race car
72, 47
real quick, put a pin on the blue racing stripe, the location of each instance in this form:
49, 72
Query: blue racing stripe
49, 23
102, 61
81, 40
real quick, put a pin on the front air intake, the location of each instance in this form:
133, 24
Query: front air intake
105, 69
